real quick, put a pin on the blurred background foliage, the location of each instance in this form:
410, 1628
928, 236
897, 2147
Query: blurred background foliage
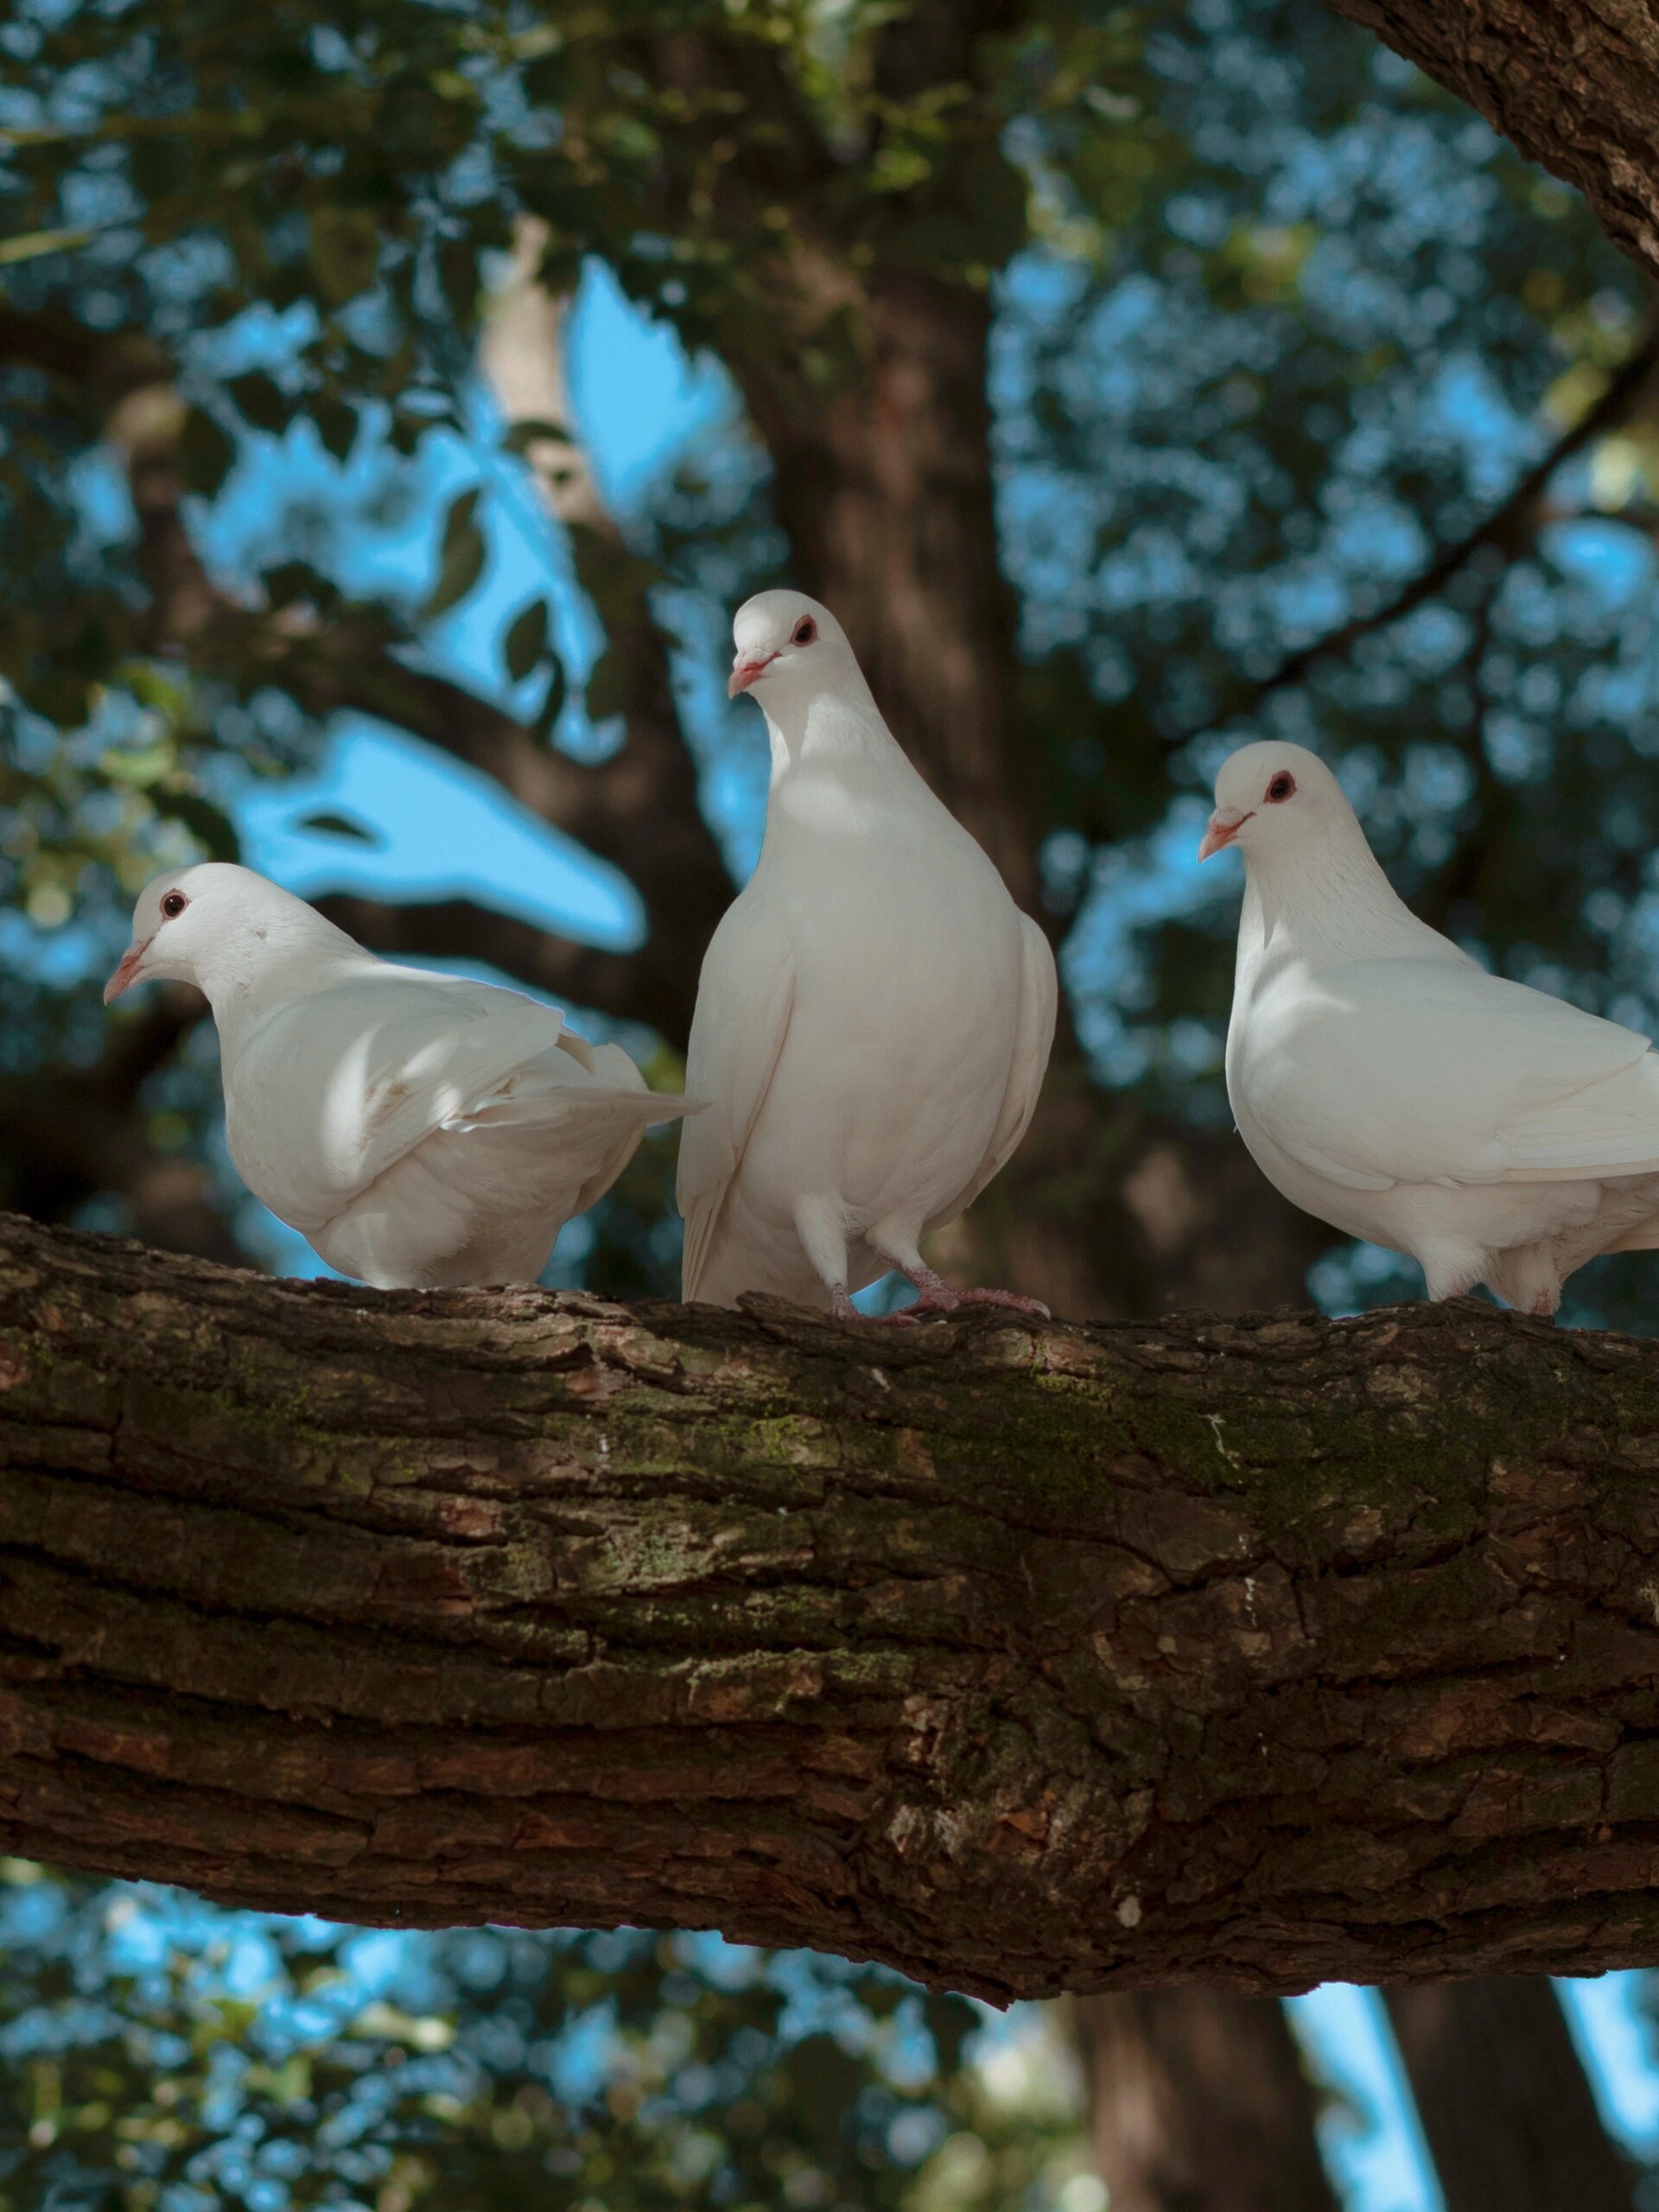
1312, 412
157, 2054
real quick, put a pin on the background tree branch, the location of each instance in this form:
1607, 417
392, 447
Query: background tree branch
69, 1134
1510, 527
637, 808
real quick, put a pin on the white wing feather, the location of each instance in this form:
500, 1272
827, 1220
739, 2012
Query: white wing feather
745, 998
1033, 1037
1385, 1071
332, 1089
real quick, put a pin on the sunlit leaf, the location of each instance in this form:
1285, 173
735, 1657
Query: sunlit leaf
209, 824
329, 824
526, 640
34, 244
462, 555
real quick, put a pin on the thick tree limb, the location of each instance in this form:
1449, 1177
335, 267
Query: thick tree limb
1574, 83
1254, 1652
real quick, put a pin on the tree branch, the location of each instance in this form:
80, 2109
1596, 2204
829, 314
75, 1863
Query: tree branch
68, 1134
1022, 1658
637, 809
1576, 87
1509, 525
455, 929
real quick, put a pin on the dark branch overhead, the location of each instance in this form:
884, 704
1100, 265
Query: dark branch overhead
1576, 88
1023, 1658
1511, 524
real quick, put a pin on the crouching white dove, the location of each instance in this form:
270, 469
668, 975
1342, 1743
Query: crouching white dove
1384, 1081
418, 1130
874, 1012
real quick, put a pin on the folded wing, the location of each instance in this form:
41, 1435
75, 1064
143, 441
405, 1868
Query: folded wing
745, 999
1385, 1071
333, 1088
1033, 1042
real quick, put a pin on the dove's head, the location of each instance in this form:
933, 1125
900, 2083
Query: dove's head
792, 649
1273, 799
194, 924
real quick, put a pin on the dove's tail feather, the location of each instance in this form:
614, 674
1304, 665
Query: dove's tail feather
733, 1247
575, 1106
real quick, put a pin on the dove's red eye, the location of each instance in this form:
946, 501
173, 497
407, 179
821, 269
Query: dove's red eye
805, 632
1283, 787
173, 905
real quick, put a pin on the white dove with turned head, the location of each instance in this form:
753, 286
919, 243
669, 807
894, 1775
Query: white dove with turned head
874, 1012
1386, 1083
419, 1130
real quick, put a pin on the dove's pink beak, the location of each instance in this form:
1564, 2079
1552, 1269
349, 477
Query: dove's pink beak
748, 669
127, 973
1224, 825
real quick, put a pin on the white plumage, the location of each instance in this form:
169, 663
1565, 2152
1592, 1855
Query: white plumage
1384, 1081
418, 1130
875, 1014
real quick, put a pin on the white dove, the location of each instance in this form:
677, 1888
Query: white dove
1384, 1082
874, 1012
418, 1130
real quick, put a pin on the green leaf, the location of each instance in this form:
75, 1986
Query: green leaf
608, 685
206, 450
339, 825
553, 705
532, 429
458, 275
461, 558
292, 582
336, 424
34, 243
260, 400
345, 252
526, 640
210, 826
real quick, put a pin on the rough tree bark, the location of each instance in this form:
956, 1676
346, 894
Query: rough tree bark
1199, 2104
1504, 2099
1573, 82
1023, 1658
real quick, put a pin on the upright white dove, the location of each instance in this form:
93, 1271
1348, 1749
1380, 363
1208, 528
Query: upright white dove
418, 1130
875, 1014
1384, 1081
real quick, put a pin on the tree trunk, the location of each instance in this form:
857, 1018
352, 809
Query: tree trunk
1022, 1658
70, 1133
1199, 2104
884, 485
1504, 2099
1575, 86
